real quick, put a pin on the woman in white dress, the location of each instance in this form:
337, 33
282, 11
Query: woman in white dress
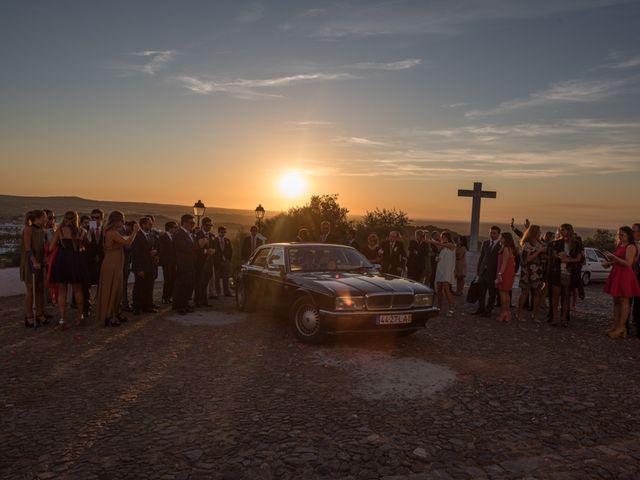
445, 271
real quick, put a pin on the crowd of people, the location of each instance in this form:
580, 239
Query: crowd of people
87, 251
95, 258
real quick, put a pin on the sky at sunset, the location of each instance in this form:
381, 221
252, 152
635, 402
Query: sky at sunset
388, 103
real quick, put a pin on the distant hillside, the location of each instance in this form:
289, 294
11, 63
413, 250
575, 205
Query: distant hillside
13, 208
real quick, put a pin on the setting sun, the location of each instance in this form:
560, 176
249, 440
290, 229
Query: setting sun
292, 185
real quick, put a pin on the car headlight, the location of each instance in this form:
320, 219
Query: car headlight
349, 303
423, 300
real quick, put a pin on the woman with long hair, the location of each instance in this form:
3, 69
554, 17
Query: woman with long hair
69, 267
111, 282
622, 283
32, 261
565, 254
445, 269
531, 269
461, 264
506, 274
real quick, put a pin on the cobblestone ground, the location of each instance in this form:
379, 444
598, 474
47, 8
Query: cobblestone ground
240, 398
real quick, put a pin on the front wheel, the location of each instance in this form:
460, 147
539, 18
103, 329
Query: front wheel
586, 278
244, 300
306, 322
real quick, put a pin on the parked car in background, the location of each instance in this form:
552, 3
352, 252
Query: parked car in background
328, 289
592, 270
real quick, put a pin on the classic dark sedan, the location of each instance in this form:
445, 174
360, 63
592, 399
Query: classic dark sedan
329, 289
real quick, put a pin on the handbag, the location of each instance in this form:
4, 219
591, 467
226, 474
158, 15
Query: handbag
473, 294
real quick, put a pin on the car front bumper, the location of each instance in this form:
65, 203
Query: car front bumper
365, 321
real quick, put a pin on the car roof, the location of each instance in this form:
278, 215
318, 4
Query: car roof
306, 244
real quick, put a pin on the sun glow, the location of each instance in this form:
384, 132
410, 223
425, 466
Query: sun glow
292, 185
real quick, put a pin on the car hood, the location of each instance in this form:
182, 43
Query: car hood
344, 283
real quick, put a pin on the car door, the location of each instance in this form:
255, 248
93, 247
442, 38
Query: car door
254, 275
602, 273
274, 276
590, 263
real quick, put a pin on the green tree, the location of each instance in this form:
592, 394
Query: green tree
284, 226
382, 221
602, 239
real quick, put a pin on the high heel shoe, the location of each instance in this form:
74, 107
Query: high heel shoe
507, 317
110, 322
617, 334
121, 318
29, 324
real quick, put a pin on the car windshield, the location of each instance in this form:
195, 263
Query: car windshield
326, 258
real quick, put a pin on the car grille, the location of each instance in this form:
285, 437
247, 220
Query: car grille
389, 302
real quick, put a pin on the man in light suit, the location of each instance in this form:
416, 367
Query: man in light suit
249, 244
487, 271
222, 261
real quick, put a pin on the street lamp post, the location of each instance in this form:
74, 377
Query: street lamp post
259, 215
198, 210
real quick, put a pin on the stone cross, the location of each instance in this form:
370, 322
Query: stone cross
476, 194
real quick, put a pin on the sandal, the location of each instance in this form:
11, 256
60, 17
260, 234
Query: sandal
29, 324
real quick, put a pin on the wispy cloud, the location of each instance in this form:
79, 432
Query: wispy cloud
399, 65
310, 123
568, 91
156, 60
361, 141
250, 88
414, 18
628, 63
251, 14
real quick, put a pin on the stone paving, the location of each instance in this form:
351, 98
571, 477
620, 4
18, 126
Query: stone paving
228, 395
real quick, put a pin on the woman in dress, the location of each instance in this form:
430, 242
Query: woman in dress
533, 258
433, 258
445, 269
111, 282
461, 264
506, 274
69, 267
622, 283
371, 250
32, 261
565, 254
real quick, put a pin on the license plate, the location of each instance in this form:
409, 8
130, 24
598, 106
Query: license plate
393, 319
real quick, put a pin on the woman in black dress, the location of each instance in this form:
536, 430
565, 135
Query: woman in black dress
69, 267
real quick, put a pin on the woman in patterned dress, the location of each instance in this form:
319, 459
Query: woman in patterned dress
533, 258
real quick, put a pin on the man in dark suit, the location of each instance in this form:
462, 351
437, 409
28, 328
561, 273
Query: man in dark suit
393, 254
487, 271
222, 261
249, 244
93, 254
351, 239
325, 233
636, 268
205, 251
144, 266
185, 250
418, 251
168, 260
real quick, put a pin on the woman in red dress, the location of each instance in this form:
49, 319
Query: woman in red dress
622, 283
506, 274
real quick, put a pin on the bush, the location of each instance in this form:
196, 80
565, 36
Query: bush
602, 239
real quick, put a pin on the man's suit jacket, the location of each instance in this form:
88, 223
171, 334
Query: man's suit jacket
353, 243
223, 254
185, 251
210, 244
141, 259
167, 251
393, 258
246, 251
331, 238
417, 256
488, 262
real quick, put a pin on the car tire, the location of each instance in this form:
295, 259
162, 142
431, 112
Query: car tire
407, 333
306, 322
586, 278
244, 299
